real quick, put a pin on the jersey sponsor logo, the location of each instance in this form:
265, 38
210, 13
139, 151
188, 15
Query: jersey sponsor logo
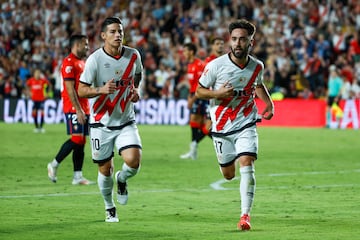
68, 69
122, 85
225, 112
242, 79
243, 93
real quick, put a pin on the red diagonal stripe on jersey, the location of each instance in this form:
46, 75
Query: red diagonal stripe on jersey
221, 123
126, 74
110, 105
232, 113
248, 109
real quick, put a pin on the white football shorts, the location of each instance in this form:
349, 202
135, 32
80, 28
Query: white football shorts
103, 141
229, 148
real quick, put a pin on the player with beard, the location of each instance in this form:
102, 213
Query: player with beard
231, 82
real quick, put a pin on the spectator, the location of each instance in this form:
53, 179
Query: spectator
41, 30
151, 90
24, 72
335, 85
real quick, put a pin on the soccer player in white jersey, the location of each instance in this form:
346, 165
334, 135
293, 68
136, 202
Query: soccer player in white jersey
111, 79
231, 82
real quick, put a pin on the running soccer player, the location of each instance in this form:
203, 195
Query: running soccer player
231, 82
76, 111
111, 79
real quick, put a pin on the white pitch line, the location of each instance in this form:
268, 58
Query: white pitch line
98, 193
218, 184
214, 186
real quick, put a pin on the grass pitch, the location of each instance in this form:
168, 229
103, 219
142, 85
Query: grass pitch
307, 188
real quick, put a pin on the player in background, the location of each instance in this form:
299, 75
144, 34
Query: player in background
197, 106
37, 87
111, 79
217, 49
231, 82
76, 111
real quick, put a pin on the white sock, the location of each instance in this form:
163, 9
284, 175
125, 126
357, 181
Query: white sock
127, 172
54, 163
247, 188
106, 189
77, 174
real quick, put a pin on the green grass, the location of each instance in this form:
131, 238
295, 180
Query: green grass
307, 188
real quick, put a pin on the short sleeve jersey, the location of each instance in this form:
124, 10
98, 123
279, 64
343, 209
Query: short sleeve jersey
112, 109
194, 71
71, 69
231, 114
38, 88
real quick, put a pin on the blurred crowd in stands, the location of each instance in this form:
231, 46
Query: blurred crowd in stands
297, 40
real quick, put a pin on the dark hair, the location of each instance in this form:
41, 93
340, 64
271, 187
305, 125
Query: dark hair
191, 46
244, 24
213, 40
108, 21
75, 38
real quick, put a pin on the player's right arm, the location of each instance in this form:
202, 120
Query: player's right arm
208, 81
225, 91
88, 91
87, 85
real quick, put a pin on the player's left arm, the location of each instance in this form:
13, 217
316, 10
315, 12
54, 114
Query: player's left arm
135, 91
262, 92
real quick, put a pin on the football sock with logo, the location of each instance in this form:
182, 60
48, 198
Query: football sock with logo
194, 133
199, 135
106, 184
64, 151
78, 156
127, 172
247, 188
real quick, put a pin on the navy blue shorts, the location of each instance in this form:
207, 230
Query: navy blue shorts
74, 127
38, 105
200, 106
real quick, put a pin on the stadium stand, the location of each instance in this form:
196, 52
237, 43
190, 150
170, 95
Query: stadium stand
297, 40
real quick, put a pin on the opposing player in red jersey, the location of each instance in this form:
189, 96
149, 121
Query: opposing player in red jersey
231, 82
37, 86
217, 49
76, 111
198, 107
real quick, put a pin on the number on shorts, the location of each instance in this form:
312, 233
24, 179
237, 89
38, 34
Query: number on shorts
95, 143
74, 119
218, 145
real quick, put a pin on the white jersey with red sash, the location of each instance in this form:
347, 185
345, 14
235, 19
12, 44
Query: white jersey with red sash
112, 109
233, 114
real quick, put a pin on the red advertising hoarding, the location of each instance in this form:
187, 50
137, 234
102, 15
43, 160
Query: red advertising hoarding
288, 112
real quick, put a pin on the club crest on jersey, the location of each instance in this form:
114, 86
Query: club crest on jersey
242, 79
118, 72
68, 69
